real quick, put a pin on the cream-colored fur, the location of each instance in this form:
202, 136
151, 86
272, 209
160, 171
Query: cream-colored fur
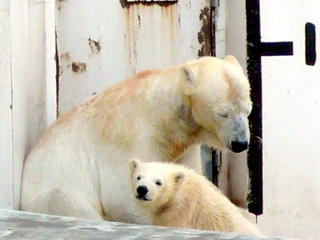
79, 166
183, 198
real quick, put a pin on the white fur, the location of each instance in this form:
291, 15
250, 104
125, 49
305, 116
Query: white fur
183, 198
79, 166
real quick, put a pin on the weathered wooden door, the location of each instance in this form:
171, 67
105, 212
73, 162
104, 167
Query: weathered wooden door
103, 42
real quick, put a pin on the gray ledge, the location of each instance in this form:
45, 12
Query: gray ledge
22, 225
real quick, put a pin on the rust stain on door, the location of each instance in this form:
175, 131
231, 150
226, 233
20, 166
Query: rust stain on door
126, 4
60, 3
151, 32
205, 35
133, 23
79, 67
94, 45
65, 56
170, 14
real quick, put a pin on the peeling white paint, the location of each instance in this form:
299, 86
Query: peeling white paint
291, 123
132, 37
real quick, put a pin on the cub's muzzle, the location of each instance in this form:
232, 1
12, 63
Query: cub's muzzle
142, 193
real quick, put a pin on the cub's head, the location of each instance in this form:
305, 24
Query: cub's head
154, 184
219, 98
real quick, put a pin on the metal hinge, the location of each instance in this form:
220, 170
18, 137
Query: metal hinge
215, 3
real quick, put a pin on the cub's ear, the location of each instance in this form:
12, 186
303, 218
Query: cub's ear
134, 164
188, 74
178, 178
231, 59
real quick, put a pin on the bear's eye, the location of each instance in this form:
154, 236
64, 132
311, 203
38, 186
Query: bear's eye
223, 114
139, 177
224, 111
158, 183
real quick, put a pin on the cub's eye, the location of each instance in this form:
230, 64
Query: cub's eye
139, 177
158, 183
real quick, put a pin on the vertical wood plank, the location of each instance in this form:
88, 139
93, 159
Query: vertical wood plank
6, 162
50, 45
33, 79
20, 86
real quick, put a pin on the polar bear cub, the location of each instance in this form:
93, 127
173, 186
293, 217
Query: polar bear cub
175, 196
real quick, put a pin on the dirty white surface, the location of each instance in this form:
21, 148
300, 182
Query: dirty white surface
6, 180
291, 123
21, 225
103, 42
27, 82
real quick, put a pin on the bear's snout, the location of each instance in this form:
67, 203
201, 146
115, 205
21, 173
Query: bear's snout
237, 146
142, 190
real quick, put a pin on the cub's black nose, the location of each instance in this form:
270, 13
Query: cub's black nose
142, 190
238, 146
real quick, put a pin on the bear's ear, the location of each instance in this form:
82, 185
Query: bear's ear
178, 178
188, 74
134, 164
231, 59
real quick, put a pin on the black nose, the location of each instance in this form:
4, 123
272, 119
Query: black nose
238, 146
142, 190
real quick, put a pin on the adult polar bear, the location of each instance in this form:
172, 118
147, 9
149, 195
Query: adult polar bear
80, 168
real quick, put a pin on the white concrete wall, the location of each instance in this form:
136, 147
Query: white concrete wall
291, 124
291, 114
231, 30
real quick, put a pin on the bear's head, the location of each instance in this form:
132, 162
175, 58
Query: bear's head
154, 184
219, 97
